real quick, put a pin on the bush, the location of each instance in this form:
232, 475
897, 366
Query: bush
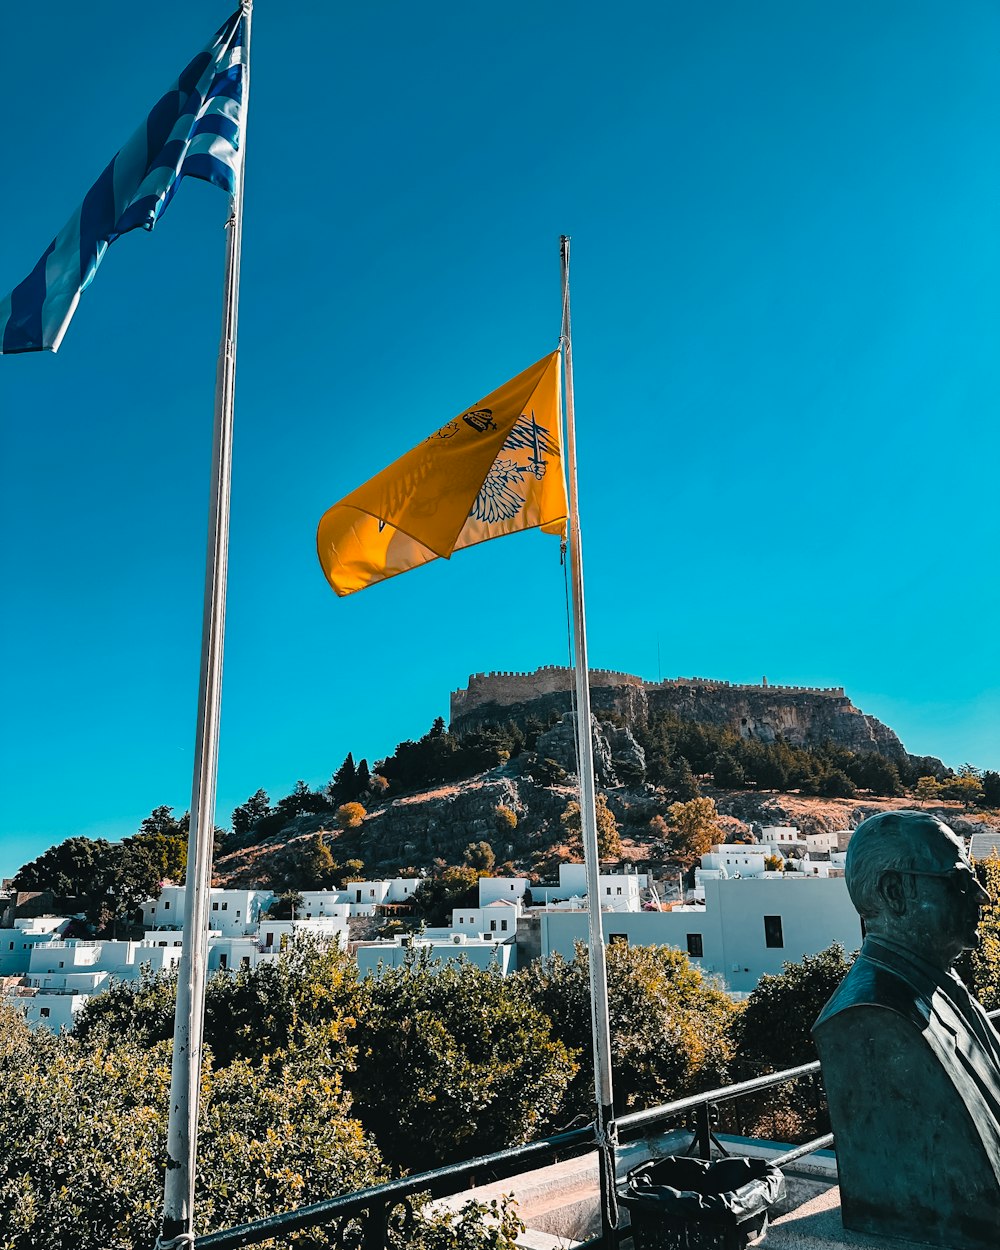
483, 1069
350, 815
669, 1025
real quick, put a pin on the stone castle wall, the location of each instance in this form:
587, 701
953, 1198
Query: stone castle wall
507, 689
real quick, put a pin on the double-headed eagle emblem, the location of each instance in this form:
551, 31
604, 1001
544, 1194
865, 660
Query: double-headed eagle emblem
500, 498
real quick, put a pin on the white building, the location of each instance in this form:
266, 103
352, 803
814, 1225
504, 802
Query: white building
746, 927
17, 944
365, 897
232, 913
375, 957
493, 888
495, 921
620, 891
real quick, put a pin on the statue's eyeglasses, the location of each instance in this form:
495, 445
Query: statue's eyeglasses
965, 881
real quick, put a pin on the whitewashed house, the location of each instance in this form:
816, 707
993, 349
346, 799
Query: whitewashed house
375, 957
497, 921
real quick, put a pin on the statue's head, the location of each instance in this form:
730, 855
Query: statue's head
911, 880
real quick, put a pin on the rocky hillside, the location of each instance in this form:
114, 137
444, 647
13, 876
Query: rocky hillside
803, 716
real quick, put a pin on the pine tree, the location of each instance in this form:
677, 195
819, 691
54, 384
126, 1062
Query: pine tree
343, 787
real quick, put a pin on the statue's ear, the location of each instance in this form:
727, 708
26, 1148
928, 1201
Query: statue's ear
891, 892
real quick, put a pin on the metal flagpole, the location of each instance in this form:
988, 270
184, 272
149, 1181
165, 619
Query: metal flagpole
185, 1075
607, 1132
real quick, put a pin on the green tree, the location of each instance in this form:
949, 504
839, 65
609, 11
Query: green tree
83, 1122
991, 788
967, 787
436, 897
482, 1067
773, 1032
682, 782
693, 829
609, 844
363, 780
480, 856
506, 819
728, 773
927, 789
669, 1025
250, 813
344, 786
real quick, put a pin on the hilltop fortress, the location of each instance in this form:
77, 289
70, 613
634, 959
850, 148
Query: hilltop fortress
802, 715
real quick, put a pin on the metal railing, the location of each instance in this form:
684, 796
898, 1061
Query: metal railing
367, 1216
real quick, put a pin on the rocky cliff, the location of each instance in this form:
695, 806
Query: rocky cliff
802, 715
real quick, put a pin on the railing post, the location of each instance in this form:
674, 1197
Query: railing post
376, 1227
703, 1130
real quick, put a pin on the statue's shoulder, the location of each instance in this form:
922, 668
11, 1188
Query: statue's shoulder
872, 986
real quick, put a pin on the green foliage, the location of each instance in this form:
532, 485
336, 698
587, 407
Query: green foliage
111, 879
480, 856
676, 750
82, 1137
285, 905
773, 1031
506, 819
669, 1025
774, 863
250, 813
482, 1067
305, 864
441, 756
682, 782
305, 999
927, 789
475, 1226
436, 897
343, 788
980, 968
609, 844
693, 829
967, 787
991, 788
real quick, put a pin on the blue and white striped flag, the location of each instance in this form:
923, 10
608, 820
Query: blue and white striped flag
193, 131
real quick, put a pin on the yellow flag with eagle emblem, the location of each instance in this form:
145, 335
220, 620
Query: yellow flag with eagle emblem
494, 469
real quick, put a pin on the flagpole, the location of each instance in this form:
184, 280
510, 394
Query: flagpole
607, 1132
185, 1075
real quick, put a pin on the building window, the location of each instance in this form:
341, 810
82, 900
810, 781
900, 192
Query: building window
618, 938
223, 961
44, 1013
225, 906
609, 889
503, 925
166, 905
772, 931
493, 926
696, 947
619, 889
215, 907
12, 946
245, 961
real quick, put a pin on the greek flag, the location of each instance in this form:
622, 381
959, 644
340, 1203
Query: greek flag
192, 131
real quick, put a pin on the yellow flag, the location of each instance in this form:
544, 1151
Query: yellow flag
495, 469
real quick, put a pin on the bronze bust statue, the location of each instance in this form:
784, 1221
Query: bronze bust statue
910, 1061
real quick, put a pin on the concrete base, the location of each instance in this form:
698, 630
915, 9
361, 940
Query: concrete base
812, 1222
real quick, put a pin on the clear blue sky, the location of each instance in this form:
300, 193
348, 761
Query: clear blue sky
786, 248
